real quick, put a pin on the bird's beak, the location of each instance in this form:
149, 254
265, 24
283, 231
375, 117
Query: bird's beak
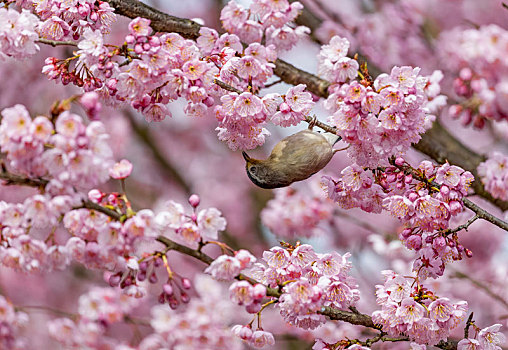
246, 157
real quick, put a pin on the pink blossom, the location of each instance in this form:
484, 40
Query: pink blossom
299, 100
261, 338
247, 104
241, 293
140, 27
210, 221
121, 170
469, 344
224, 268
490, 337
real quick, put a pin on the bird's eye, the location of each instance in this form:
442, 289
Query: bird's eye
253, 170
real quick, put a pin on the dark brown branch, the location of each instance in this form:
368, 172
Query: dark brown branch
437, 143
160, 21
88, 204
13, 179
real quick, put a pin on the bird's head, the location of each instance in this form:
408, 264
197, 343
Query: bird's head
258, 172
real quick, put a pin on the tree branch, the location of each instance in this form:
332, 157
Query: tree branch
13, 179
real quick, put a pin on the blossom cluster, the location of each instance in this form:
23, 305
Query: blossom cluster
311, 281
241, 116
226, 268
264, 20
356, 188
191, 228
494, 175
64, 156
73, 154
293, 214
425, 204
476, 57
98, 309
333, 64
64, 20
415, 311
488, 338
378, 119
18, 33
163, 68
11, 323
202, 324
102, 243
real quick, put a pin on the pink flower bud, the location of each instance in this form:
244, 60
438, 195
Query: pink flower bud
243, 332
114, 280
261, 338
253, 308
168, 289
413, 196
153, 278
95, 195
415, 242
465, 74
399, 161
185, 297
186, 284
258, 292
194, 200
141, 276
406, 233
130, 39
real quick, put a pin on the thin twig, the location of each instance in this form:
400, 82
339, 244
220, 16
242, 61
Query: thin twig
278, 81
482, 213
461, 227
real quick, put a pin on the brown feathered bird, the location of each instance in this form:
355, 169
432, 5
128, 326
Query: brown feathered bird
294, 158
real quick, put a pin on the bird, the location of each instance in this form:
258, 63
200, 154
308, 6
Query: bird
294, 158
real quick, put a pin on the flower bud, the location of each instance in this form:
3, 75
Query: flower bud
194, 200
